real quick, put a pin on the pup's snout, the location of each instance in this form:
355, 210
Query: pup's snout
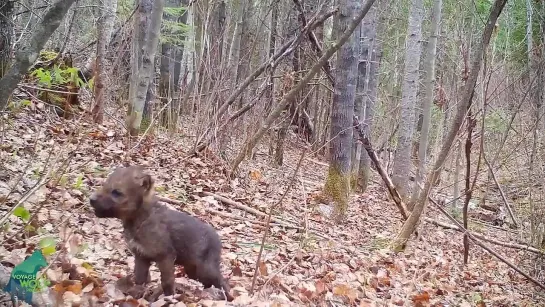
93, 199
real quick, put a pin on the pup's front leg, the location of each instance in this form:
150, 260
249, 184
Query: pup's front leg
141, 277
141, 270
166, 267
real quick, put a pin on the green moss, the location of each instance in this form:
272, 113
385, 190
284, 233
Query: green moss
337, 188
48, 55
144, 124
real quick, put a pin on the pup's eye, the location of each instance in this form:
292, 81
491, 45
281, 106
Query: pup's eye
116, 193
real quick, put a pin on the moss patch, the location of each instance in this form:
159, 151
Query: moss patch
337, 188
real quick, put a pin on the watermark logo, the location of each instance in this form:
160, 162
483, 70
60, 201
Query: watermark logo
23, 281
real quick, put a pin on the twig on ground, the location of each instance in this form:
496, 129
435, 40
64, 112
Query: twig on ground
481, 237
488, 249
265, 233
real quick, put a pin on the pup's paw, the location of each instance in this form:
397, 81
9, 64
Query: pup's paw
137, 291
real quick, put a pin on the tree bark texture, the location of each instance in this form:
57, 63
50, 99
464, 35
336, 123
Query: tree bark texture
28, 54
147, 26
6, 34
363, 103
253, 140
465, 103
179, 50
428, 95
402, 158
337, 184
105, 27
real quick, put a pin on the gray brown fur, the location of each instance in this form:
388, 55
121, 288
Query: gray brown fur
155, 233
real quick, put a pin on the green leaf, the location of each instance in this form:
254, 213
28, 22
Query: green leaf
22, 213
87, 265
29, 228
47, 242
49, 250
79, 181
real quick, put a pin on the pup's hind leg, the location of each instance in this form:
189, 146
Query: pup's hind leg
210, 275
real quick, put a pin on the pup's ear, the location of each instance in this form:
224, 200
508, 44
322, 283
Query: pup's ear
146, 182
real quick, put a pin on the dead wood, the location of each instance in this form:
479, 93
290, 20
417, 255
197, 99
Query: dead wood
277, 221
481, 237
486, 248
269, 216
505, 202
387, 180
315, 43
282, 52
288, 98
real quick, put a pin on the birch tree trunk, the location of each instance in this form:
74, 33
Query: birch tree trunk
337, 184
465, 103
28, 54
429, 87
166, 67
104, 28
367, 25
402, 158
179, 50
146, 38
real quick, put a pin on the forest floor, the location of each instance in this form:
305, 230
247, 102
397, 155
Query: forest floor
311, 262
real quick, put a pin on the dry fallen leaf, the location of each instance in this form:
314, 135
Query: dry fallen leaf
263, 268
345, 290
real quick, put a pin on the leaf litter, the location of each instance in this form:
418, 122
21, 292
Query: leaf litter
307, 260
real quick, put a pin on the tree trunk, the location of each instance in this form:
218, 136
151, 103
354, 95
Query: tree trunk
26, 56
465, 103
6, 33
253, 140
361, 87
375, 25
429, 89
337, 184
145, 39
272, 49
179, 49
105, 27
166, 84
402, 158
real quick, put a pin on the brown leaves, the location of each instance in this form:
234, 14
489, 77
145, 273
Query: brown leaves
299, 266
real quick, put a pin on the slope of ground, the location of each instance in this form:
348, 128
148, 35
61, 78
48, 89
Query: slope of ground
307, 260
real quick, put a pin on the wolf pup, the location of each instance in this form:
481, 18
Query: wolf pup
156, 233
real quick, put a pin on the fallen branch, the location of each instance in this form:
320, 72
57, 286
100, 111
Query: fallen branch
481, 237
218, 213
387, 180
501, 193
486, 248
269, 217
225, 200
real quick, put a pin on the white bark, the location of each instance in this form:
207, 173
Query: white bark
402, 158
146, 39
105, 29
429, 87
